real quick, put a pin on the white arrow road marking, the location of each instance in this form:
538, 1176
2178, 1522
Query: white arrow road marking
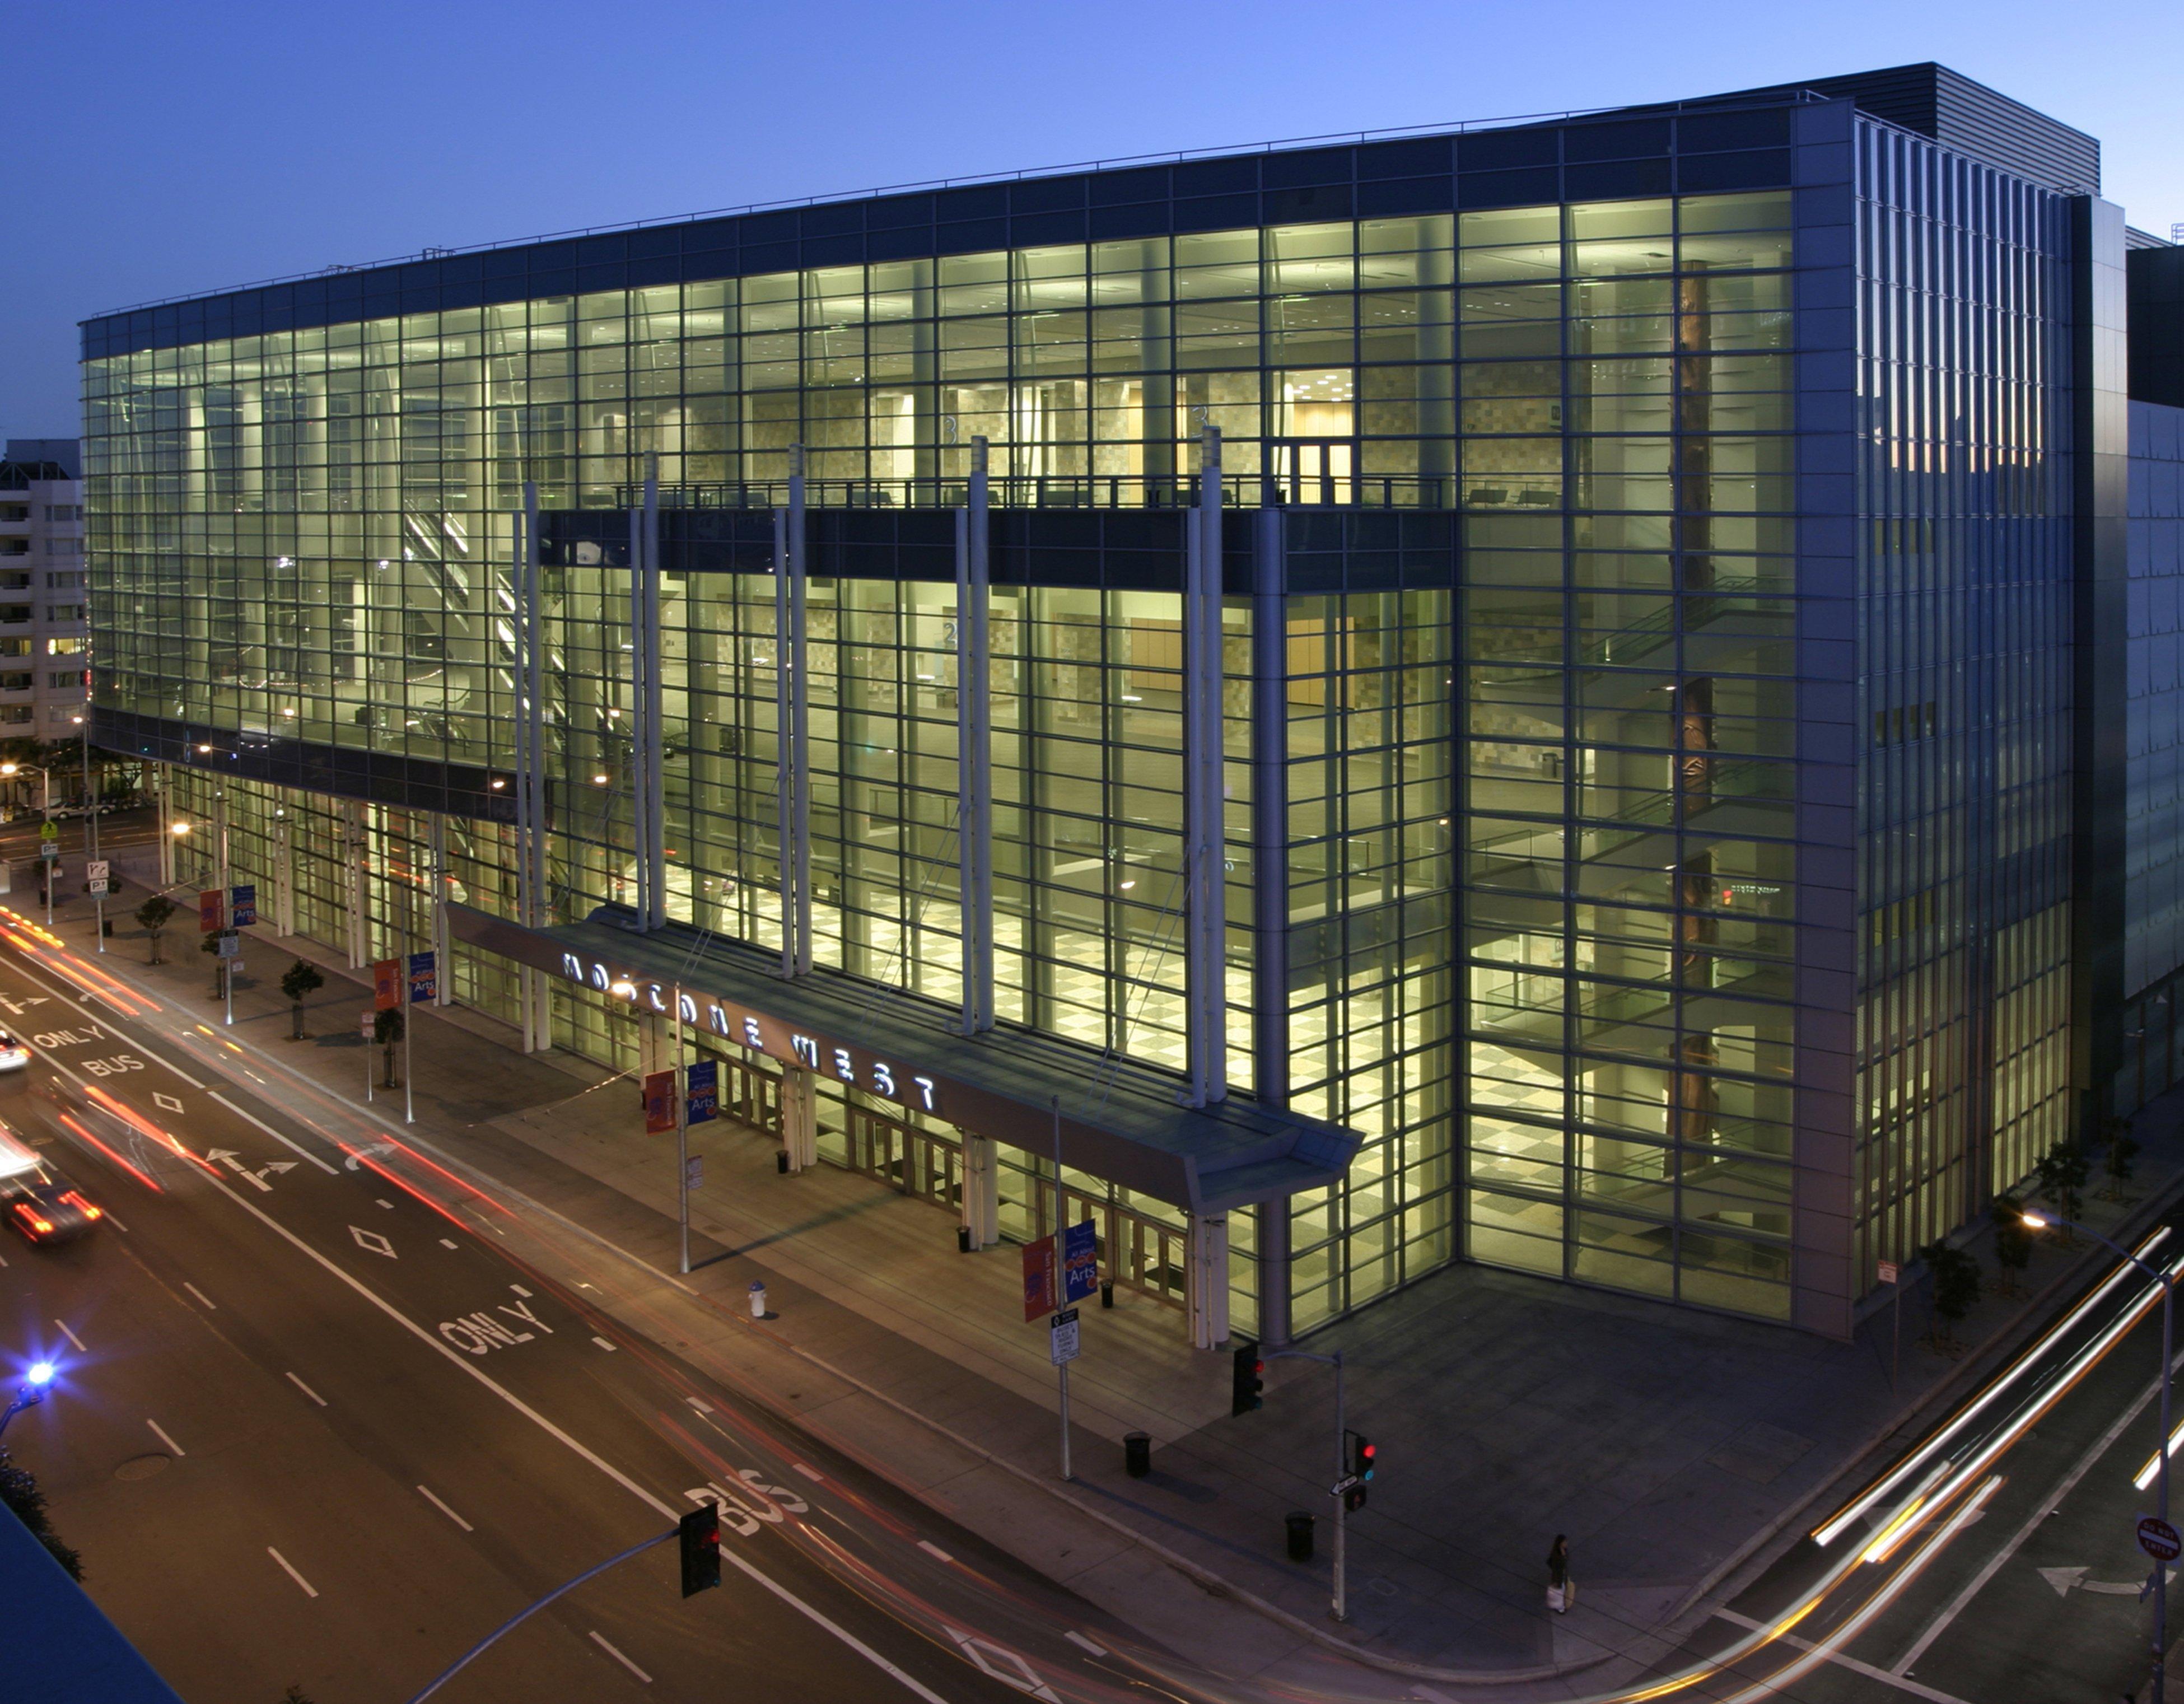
373, 1241
370, 1150
166, 1100
1014, 1671
233, 1161
2064, 1578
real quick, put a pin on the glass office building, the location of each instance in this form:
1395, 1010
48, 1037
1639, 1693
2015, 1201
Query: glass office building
1514, 696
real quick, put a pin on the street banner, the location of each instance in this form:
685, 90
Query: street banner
659, 1103
208, 910
387, 984
1080, 1261
1039, 1276
703, 1090
243, 907
423, 979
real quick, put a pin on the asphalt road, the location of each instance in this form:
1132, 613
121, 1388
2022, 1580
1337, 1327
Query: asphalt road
317, 1427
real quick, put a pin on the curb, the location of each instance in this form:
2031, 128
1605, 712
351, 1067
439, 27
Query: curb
1762, 1550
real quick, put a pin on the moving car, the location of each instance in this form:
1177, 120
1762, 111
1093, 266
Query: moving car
14, 1056
41, 1205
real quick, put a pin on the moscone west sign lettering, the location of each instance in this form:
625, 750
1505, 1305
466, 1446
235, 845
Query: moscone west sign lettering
854, 1065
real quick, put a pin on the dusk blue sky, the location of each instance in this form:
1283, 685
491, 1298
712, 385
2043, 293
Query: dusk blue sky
158, 150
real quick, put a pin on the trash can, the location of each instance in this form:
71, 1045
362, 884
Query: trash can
1107, 1292
1137, 1453
757, 1300
1300, 1530
962, 1239
781, 1162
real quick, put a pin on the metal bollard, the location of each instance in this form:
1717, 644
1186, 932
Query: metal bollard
758, 1299
1300, 1534
1137, 1453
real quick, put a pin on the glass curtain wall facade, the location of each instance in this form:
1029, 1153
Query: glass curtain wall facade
1672, 863
1965, 569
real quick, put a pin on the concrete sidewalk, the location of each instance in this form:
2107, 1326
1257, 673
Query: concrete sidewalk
1668, 1445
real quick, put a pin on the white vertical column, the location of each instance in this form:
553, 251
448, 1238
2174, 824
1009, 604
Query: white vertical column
356, 886
1205, 959
443, 971
785, 777
640, 733
1208, 1290
284, 873
533, 908
653, 708
799, 1117
799, 707
974, 809
165, 798
982, 1191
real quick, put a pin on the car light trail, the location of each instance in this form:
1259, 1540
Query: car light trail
1910, 1466
79, 1130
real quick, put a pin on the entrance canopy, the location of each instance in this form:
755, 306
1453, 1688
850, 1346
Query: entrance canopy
1120, 1121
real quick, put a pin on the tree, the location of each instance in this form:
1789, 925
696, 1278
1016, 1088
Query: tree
2062, 1173
20, 1492
2013, 1241
299, 982
2123, 1159
152, 918
1956, 1287
387, 1031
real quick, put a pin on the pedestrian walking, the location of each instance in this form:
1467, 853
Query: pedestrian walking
1561, 1589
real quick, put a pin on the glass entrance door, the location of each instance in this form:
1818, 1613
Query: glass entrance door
1314, 471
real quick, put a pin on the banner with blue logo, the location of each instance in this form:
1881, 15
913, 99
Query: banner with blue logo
705, 1090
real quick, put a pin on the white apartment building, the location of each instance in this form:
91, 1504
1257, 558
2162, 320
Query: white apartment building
43, 642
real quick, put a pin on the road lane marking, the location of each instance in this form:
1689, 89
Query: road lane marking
445, 1510
71, 1337
1078, 1640
521, 1291
1902, 1683
702, 1408
810, 1473
292, 1147
168, 1101
373, 1243
620, 1658
114, 1221
450, 1243
601, 1341
157, 1432
307, 1391
658, 1505
309, 1590
195, 1292
932, 1550
2046, 1507
389, 1206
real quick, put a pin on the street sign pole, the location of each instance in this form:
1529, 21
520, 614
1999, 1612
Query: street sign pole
1890, 1275
1341, 1504
408, 1031
1062, 1369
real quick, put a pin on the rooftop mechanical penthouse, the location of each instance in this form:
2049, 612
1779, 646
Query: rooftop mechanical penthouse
1552, 695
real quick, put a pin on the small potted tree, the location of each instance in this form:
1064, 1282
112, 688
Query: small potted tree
1956, 1276
152, 917
2062, 1173
2013, 1241
299, 982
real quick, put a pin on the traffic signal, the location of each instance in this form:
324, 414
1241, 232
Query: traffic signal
1364, 1459
700, 1536
1245, 1380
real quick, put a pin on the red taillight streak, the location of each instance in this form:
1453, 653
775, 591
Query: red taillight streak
101, 1147
142, 1126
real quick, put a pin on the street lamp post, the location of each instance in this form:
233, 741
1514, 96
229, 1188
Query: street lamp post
2041, 1222
31, 1393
